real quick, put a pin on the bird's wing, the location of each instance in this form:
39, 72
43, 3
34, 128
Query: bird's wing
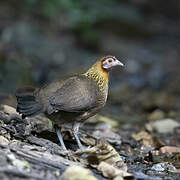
78, 94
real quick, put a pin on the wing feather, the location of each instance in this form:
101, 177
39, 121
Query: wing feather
76, 95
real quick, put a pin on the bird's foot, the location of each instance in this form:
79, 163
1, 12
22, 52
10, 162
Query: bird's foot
75, 133
78, 141
61, 140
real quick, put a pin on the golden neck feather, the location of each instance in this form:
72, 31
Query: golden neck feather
98, 74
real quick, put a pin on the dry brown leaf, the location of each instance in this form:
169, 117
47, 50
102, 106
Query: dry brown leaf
169, 149
147, 139
101, 152
101, 156
111, 171
87, 139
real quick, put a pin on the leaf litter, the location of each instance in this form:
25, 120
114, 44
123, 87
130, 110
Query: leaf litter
30, 146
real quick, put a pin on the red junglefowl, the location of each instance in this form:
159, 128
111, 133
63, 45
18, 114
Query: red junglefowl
69, 100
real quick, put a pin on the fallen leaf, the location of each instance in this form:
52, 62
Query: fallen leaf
169, 149
77, 173
102, 152
101, 156
110, 171
87, 140
147, 139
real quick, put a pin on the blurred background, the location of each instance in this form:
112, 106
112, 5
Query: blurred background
43, 40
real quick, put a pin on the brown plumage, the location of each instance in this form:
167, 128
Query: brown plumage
69, 100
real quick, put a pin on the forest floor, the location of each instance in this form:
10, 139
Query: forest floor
29, 149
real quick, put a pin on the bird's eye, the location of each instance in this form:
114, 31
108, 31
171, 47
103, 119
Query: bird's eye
110, 60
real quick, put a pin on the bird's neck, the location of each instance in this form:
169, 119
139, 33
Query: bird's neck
99, 75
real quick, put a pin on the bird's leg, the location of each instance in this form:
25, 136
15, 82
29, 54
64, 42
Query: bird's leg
75, 133
60, 139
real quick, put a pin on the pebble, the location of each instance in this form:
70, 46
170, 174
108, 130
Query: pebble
163, 167
163, 126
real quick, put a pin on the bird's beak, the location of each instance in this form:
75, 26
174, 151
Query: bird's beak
118, 63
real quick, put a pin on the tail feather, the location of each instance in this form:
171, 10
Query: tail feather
27, 104
25, 107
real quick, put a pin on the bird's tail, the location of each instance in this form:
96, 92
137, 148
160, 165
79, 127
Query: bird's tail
27, 104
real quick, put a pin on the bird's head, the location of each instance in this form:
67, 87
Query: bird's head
108, 62
99, 72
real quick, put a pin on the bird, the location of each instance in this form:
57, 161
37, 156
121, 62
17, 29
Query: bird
69, 100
